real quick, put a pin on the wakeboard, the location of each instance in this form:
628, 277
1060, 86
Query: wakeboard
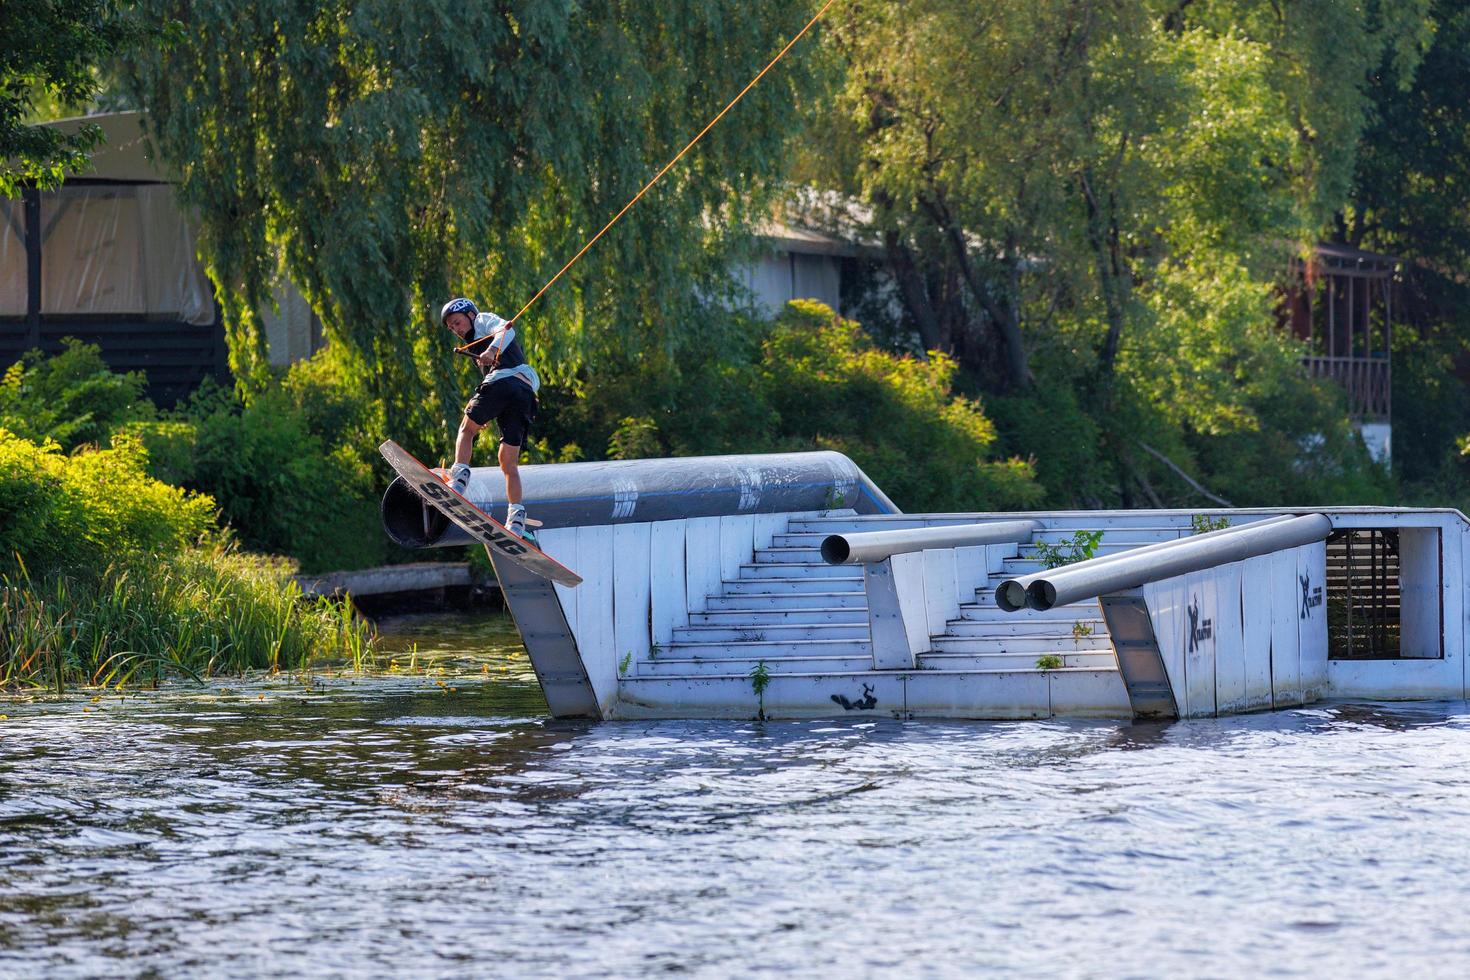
474, 521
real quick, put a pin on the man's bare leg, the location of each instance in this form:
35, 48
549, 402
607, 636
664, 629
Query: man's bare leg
464, 445
510, 458
515, 511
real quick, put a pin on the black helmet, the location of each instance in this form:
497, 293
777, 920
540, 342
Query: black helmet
460, 305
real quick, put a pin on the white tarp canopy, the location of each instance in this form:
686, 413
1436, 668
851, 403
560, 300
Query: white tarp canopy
12, 259
123, 249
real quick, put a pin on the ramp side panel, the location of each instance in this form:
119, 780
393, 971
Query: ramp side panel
767, 526
701, 564
737, 545
1201, 611
1230, 652
539, 616
908, 578
1312, 624
941, 602
890, 638
594, 632
632, 577
1286, 686
971, 571
561, 544
667, 580
1255, 612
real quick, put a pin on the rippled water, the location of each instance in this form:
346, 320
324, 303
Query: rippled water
444, 826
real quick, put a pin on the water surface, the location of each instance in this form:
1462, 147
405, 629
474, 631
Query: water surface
443, 825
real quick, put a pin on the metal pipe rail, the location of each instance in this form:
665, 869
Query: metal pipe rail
866, 547
1137, 567
639, 490
1017, 597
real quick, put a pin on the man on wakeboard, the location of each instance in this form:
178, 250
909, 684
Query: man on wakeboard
507, 395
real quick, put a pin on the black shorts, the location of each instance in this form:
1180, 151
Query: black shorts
510, 402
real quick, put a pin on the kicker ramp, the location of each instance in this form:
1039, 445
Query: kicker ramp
635, 494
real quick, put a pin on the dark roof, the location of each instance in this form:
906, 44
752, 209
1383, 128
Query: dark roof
1341, 255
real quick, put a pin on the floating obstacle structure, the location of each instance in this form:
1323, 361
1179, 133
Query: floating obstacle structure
789, 586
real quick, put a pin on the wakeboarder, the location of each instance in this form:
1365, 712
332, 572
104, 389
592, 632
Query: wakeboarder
507, 394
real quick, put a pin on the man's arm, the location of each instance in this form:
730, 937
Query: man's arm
503, 335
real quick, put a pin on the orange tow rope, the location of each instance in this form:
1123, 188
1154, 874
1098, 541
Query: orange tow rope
666, 168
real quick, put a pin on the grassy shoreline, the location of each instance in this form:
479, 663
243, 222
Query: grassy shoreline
110, 577
205, 612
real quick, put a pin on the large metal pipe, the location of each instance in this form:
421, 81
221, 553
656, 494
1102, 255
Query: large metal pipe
1131, 569
871, 546
629, 491
1014, 596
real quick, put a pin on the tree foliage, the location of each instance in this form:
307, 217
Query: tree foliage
385, 155
1108, 193
809, 380
1411, 198
48, 52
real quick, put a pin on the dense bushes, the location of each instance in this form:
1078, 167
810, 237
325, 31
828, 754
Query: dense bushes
84, 511
289, 469
277, 483
809, 381
71, 398
106, 572
896, 417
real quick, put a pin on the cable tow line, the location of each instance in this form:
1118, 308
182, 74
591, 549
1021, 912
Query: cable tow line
467, 348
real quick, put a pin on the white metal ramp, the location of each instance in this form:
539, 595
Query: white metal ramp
803, 624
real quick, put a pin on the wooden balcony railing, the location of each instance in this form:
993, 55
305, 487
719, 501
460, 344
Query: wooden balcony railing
1367, 380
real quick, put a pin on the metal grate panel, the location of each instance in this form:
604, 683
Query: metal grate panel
1363, 604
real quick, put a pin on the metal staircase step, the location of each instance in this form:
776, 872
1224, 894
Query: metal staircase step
816, 614
757, 601
780, 632
808, 569
1012, 661
787, 586
742, 667
1037, 644
804, 554
1016, 626
768, 649
1064, 615
810, 539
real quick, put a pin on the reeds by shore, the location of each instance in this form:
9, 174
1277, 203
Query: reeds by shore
110, 577
204, 611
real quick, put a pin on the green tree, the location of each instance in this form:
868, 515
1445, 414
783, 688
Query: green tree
1119, 187
809, 380
48, 53
1409, 199
385, 155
